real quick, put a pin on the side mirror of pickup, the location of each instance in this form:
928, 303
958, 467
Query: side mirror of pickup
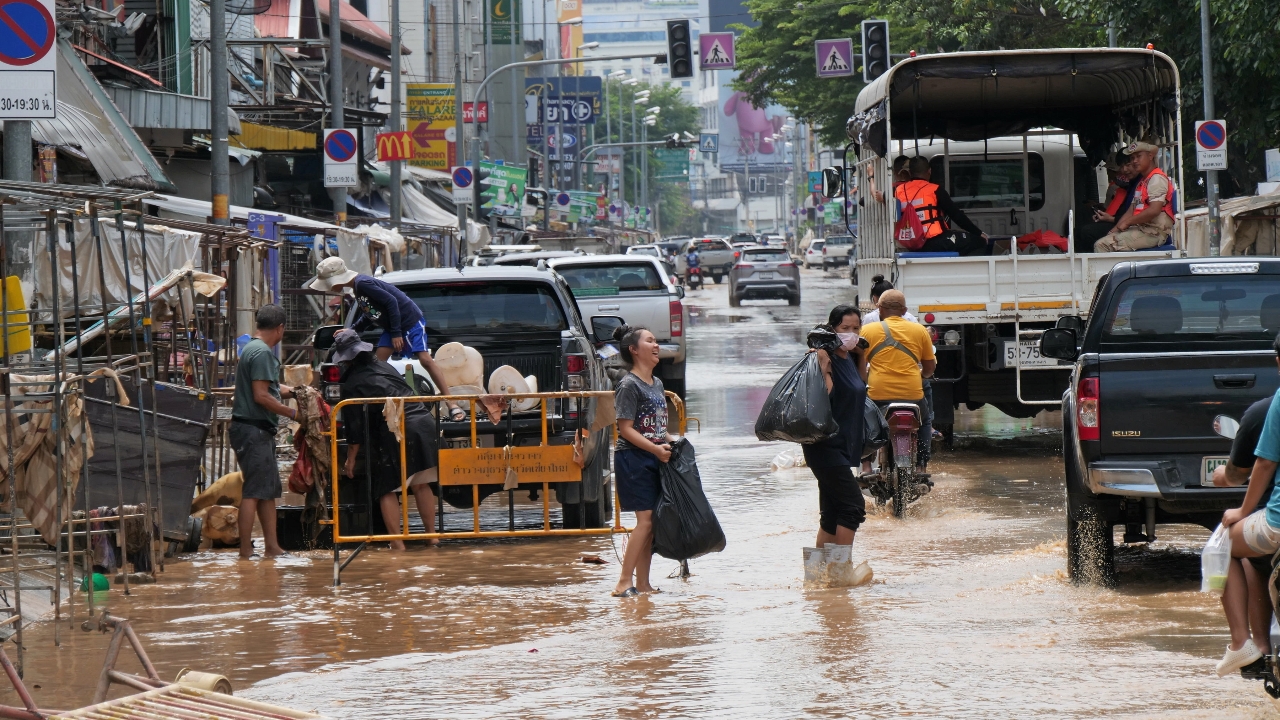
680, 292
602, 327
1072, 322
1059, 343
324, 337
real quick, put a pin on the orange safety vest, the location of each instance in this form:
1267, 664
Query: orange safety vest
923, 196
1117, 200
1142, 198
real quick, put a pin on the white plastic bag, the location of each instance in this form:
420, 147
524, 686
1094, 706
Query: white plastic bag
787, 459
1214, 561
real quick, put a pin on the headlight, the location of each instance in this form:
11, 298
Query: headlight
951, 337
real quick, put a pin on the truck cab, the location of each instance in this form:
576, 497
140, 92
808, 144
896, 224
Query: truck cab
1019, 140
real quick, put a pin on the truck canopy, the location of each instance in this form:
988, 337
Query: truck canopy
1099, 94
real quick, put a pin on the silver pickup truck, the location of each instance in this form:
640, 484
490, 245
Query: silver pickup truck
715, 256
637, 289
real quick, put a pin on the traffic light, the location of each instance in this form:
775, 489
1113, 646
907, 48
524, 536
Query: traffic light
679, 49
875, 49
674, 141
481, 185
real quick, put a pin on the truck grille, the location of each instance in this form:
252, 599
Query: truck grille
545, 367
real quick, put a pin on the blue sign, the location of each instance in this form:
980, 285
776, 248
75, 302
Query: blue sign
26, 32
572, 90
461, 177
1210, 135
563, 199
709, 142
815, 181
340, 146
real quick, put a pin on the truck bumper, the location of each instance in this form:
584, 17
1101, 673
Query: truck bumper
1174, 482
671, 351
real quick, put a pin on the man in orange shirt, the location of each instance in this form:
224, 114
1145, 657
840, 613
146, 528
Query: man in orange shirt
937, 211
900, 357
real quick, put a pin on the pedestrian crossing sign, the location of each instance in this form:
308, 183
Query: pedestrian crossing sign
709, 142
835, 57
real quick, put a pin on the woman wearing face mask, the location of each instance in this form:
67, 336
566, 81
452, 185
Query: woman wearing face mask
840, 504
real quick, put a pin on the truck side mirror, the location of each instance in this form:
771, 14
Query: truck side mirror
832, 181
1059, 343
602, 327
1226, 426
1071, 322
324, 337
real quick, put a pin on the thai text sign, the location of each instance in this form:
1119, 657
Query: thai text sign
430, 109
537, 464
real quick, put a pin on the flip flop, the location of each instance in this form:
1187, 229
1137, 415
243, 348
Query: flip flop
457, 414
655, 591
628, 593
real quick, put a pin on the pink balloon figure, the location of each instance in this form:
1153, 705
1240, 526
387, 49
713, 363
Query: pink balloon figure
754, 126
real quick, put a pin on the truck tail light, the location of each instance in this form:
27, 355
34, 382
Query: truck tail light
331, 373
1087, 409
824, 250
575, 363
677, 318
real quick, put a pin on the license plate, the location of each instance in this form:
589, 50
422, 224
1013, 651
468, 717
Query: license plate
765, 275
1027, 354
1211, 463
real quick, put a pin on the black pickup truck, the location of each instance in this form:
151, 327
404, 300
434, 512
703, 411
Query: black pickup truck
526, 318
1168, 346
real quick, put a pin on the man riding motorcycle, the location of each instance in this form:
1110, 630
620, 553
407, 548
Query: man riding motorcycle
901, 356
692, 264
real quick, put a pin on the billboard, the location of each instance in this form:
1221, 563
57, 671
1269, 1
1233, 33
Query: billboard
745, 131
429, 110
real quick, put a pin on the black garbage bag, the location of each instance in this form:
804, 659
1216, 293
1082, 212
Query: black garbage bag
684, 525
875, 429
798, 408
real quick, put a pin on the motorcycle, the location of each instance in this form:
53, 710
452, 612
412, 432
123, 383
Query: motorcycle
694, 278
1266, 668
895, 479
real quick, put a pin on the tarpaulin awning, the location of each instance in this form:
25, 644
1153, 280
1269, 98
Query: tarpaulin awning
266, 137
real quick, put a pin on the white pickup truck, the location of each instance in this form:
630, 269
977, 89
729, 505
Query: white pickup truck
715, 256
637, 289
1015, 138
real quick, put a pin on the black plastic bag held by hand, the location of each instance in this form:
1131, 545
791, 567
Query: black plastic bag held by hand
684, 525
875, 429
798, 408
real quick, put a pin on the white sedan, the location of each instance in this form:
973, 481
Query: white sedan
813, 253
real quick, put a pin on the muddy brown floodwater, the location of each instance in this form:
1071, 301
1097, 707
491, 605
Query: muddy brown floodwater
970, 614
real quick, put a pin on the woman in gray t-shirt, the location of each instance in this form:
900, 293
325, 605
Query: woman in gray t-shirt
643, 443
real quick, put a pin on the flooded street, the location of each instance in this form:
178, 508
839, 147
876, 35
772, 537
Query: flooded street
970, 614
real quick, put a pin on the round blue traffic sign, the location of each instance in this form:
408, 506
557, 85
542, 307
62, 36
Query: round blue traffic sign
26, 32
462, 177
340, 146
562, 199
1210, 135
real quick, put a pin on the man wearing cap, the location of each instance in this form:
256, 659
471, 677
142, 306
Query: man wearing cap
1149, 219
384, 305
253, 430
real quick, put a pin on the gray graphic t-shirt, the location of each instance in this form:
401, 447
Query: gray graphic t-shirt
643, 404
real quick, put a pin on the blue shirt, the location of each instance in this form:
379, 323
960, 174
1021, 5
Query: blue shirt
1269, 448
384, 305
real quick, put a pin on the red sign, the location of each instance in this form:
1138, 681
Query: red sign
467, 113
395, 146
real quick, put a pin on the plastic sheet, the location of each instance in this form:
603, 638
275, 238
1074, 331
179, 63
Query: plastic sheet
798, 408
1214, 561
684, 525
787, 459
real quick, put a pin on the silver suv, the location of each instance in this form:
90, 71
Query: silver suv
763, 272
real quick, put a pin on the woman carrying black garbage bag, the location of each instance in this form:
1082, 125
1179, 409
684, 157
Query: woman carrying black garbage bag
840, 354
643, 444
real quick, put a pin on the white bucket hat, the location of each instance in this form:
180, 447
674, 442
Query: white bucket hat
331, 271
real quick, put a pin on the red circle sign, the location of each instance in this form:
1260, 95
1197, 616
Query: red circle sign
26, 32
340, 146
1211, 135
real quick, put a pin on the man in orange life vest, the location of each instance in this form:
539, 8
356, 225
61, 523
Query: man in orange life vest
935, 207
1150, 217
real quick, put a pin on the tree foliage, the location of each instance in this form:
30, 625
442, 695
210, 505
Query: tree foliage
777, 62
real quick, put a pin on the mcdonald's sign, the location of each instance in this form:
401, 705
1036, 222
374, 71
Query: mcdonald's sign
395, 146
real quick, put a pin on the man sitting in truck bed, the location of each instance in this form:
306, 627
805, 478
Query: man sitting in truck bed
1150, 217
935, 208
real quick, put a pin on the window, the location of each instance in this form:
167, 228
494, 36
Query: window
765, 256
491, 305
1195, 309
595, 280
981, 183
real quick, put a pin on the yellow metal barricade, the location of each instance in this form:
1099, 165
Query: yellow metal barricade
475, 466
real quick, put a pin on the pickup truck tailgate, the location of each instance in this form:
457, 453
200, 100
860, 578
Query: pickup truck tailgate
1154, 404
648, 309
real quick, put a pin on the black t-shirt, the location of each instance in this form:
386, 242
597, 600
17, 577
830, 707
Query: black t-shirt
1246, 441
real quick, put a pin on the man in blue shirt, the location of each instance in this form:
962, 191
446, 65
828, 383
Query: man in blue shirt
404, 330
1254, 533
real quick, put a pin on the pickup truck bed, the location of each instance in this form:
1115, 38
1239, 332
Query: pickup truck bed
1169, 346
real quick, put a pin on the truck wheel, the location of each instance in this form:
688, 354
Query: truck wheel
599, 512
902, 484
717, 278
734, 300
794, 300
1090, 545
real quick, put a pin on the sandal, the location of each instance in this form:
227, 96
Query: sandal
628, 593
457, 414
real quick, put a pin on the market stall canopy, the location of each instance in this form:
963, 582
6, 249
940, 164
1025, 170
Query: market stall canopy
198, 210
1093, 92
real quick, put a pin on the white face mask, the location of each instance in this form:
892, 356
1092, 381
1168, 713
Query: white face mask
848, 341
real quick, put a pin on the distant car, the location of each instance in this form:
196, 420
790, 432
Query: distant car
764, 273
837, 251
656, 251
773, 240
813, 254
744, 237
530, 259
715, 256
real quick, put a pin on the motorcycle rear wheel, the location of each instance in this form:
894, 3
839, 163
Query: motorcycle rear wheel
903, 482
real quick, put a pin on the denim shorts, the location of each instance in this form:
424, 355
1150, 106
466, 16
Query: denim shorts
639, 480
255, 450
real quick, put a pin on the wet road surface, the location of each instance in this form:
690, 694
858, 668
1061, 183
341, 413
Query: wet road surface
970, 614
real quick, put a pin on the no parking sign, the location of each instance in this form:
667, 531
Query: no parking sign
1211, 145
339, 158
28, 60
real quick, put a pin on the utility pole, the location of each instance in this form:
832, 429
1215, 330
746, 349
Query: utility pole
1211, 176
17, 149
459, 138
219, 101
337, 105
396, 168
1111, 34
